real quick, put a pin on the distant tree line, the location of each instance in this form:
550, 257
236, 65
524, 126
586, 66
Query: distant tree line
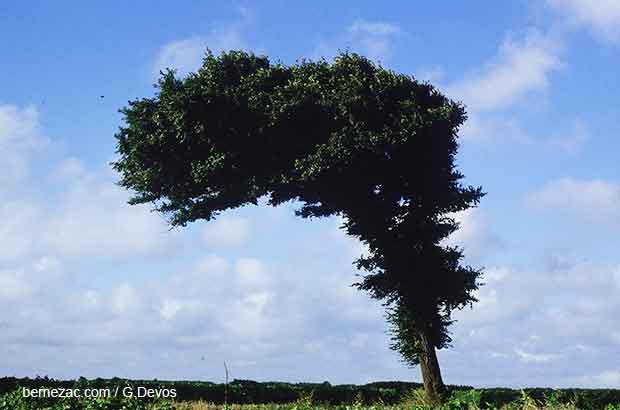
248, 391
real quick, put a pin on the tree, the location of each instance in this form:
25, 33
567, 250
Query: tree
346, 138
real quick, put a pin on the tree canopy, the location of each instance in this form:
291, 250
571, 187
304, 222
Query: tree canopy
346, 138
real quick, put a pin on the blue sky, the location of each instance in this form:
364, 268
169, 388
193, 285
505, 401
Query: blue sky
90, 286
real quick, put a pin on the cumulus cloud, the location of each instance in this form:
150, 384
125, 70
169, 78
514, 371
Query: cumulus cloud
18, 230
21, 281
593, 200
86, 216
475, 234
432, 75
601, 16
17, 283
46, 242
374, 39
608, 378
492, 129
125, 299
186, 55
20, 138
571, 141
496, 301
251, 272
201, 310
69, 169
227, 231
536, 357
262, 312
19, 126
92, 218
534, 318
220, 307
521, 71
374, 28
521, 67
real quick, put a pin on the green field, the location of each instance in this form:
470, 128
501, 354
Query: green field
249, 395
14, 401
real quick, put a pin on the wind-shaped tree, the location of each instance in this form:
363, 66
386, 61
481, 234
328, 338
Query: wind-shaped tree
346, 138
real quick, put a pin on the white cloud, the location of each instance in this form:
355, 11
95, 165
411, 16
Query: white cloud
520, 72
496, 274
227, 231
86, 216
92, 218
125, 299
536, 357
594, 200
20, 282
541, 316
486, 128
497, 301
186, 55
374, 28
607, 378
213, 263
251, 272
374, 39
69, 169
482, 129
359, 340
208, 311
19, 125
474, 235
13, 285
572, 141
601, 16
170, 308
521, 68
432, 75
183, 55
20, 137
18, 230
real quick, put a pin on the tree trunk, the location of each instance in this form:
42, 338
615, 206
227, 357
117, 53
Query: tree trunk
431, 374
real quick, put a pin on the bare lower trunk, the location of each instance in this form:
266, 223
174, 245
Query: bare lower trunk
431, 373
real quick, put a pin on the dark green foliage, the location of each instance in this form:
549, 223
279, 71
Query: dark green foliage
347, 138
14, 400
240, 391
247, 392
585, 399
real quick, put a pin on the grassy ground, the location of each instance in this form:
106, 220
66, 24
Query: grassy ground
200, 405
415, 400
